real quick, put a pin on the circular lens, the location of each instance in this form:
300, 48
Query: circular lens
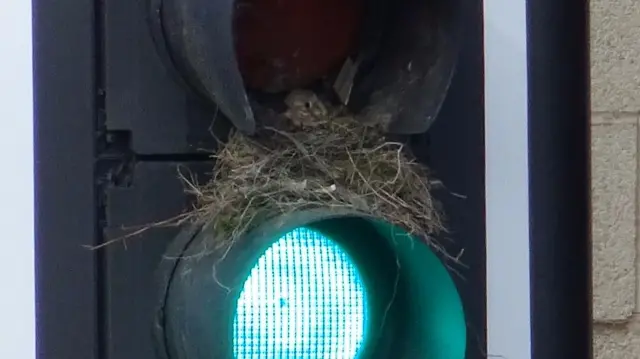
304, 299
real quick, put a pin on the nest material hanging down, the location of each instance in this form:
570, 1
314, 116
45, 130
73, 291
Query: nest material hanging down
315, 156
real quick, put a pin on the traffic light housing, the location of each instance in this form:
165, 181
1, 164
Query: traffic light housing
112, 126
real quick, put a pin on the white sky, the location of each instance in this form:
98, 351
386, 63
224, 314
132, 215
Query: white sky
17, 305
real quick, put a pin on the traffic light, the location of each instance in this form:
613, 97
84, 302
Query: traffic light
323, 284
150, 89
387, 295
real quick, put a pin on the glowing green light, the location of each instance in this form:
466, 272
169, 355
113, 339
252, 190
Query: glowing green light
304, 299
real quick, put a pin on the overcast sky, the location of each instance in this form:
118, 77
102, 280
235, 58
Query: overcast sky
17, 327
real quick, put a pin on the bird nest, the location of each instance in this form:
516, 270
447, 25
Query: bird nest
315, 156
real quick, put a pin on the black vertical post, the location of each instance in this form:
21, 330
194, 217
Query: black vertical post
67, 290
559, 123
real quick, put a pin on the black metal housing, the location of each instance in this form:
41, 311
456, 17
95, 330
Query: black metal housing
113, 127
100, 304
559, 170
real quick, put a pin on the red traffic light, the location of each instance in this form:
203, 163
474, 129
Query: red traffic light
286, 44
399, 55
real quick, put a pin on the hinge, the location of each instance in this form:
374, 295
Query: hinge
115, 160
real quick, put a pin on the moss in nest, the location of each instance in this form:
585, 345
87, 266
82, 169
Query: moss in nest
315, 156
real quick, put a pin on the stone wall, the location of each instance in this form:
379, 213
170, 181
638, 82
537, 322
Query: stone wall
615, 72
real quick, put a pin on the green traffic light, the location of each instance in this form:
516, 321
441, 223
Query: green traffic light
313, 285
304, 299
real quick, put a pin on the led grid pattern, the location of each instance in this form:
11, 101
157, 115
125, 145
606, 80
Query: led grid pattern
304, 299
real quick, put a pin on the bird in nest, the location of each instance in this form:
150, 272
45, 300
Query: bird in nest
305, 109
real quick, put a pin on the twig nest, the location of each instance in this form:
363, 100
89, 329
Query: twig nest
318, 156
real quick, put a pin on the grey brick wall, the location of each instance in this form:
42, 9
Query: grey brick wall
615, 72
